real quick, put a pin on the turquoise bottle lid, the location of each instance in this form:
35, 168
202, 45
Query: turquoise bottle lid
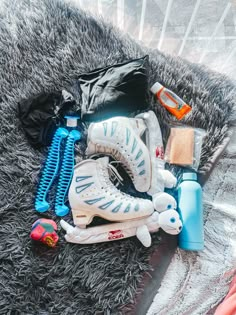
189, 176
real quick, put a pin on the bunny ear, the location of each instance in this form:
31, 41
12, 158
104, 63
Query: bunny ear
144, 236
66, 226
163, 201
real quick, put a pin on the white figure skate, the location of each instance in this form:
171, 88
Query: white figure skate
160, 178
119, 137
169, 221
92, 194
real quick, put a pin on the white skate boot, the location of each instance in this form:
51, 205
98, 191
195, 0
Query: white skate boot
119, 137
92, 194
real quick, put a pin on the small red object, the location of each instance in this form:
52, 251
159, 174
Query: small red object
160, 152
44, 230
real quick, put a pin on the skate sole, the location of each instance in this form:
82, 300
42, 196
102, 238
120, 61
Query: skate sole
82, 219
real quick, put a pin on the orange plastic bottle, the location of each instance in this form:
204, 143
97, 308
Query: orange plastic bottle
173, 103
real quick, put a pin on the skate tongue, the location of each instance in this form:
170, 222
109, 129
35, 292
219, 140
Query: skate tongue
104, 160
138, 125
111, 170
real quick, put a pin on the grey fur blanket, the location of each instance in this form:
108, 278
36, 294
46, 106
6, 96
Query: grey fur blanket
44, 45
195, 283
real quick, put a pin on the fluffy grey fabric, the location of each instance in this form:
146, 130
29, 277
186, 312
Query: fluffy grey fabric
196, 282
44, 45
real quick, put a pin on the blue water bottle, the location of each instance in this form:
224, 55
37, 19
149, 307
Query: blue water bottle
191, 213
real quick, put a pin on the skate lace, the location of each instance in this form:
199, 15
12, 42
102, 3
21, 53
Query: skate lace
114, 175
118, 156
109, 186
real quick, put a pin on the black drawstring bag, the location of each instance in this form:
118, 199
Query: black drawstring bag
117, 90
41, 115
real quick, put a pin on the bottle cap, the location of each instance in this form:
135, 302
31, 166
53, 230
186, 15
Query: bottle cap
189, 176
156, 87
71, 121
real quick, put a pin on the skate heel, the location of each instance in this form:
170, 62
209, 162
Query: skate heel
82, 218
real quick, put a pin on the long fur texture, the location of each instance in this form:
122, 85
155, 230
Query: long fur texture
196, 282
44, 45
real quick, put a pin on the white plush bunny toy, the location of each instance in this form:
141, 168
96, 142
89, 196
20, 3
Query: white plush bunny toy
168, 220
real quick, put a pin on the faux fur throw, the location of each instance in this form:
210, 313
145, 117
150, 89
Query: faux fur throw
44, 46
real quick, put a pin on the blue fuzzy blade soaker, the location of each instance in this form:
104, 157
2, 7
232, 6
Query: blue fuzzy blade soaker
66, 173
50, 170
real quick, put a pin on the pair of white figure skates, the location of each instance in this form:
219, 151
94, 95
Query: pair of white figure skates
93, 193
